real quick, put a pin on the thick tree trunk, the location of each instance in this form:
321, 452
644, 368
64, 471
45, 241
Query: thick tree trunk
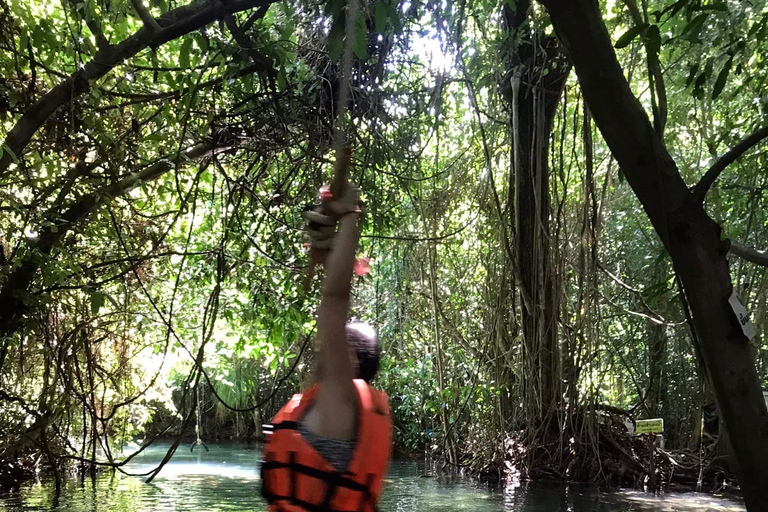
533, 88
690, 236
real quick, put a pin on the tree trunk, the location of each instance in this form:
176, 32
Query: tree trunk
691, 237
536, 79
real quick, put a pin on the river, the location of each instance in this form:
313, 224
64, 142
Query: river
226, 480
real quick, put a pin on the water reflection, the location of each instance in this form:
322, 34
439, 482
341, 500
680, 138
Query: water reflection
226, 480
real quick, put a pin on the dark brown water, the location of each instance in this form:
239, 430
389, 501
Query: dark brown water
226, 479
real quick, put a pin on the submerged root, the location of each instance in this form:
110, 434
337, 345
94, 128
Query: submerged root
601, 452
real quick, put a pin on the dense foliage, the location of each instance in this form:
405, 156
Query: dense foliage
152, 254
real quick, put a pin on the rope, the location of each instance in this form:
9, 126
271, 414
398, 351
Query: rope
341, 127
345, 79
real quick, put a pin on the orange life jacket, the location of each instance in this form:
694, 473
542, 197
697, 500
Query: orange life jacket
295, 478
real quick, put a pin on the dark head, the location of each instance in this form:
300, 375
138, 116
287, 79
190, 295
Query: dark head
362, 338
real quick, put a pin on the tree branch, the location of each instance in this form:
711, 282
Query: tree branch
658, 318
56, 224
245, 42
749, 254
177, 94
145, 16
102, 43
176, 23
699, 191
656, 78
253, 18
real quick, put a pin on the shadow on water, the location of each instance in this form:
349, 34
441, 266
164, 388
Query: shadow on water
226, 480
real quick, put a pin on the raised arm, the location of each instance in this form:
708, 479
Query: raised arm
335, 406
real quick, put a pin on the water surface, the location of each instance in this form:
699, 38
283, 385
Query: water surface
226, 479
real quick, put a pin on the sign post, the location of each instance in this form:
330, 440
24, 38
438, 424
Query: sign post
655, 426
650, 428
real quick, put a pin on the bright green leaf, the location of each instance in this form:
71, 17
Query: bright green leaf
184, 52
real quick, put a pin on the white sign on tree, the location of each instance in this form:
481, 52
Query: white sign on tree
747, 327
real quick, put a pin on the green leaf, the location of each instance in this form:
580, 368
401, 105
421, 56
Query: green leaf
380, 17
186, 48
693, 29
722, 78
630, 34
50, 36
698, 87
336, 39
692, 75
674, 8
717, 6
7, 149
112, 300
394, 16
23, 38
763, 34
755, 28
97, 301
38, 36
361, 39
288, 29
202, 42
677, 8
653, 39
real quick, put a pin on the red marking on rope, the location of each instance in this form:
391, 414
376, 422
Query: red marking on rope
362, 267
325, 193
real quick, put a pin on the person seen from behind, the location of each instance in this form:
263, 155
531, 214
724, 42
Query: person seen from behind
329, 448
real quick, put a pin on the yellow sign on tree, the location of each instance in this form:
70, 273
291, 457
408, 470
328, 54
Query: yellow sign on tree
654, 426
